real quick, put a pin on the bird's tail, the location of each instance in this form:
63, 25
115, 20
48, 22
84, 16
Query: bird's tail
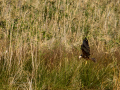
93, 59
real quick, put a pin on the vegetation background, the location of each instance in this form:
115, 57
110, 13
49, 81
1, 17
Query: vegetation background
40, 44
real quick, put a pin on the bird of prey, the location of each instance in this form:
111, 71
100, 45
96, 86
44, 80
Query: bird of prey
86, 51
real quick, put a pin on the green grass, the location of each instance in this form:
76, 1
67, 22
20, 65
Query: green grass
40, 44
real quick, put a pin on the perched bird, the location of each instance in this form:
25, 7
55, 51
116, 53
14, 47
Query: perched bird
86, 51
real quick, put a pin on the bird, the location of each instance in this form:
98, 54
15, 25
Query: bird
86, 50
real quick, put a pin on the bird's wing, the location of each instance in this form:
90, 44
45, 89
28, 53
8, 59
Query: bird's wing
86, 45
85, 48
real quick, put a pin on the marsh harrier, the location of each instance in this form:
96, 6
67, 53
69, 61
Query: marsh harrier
86, 51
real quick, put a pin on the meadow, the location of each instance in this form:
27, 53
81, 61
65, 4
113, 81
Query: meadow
40, 44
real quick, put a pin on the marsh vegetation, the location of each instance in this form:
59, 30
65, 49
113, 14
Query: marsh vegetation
40, 44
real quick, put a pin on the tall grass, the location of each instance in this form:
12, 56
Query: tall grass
40, 44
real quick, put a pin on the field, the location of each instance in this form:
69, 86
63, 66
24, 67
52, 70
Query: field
40, 42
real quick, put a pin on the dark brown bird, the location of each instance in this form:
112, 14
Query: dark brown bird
86, 51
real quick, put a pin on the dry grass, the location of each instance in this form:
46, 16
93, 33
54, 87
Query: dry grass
40, 44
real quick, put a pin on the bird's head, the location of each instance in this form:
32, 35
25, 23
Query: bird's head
80, 56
